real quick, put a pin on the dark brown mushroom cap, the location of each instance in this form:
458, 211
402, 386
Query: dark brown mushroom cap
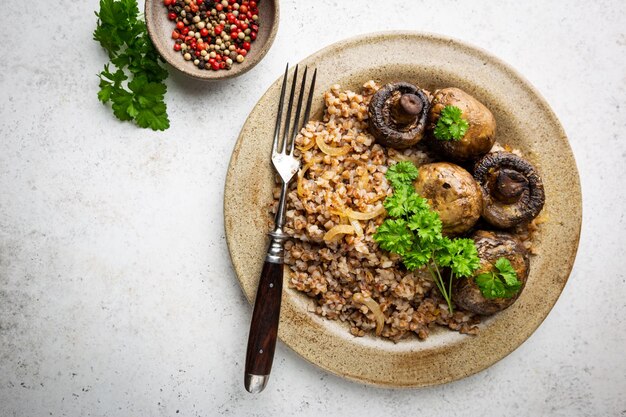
512, 190
397, 115
480, 136
452, 192
492, 246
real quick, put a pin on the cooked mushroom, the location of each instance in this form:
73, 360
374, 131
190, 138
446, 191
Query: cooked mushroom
480, 135
451, 192
492, 246
397, 115
512, 190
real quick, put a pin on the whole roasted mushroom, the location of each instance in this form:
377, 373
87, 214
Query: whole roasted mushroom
452, 193
480, 135
397, 115
492, 246
511, 188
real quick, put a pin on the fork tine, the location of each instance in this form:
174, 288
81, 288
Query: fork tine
307, 111
296, 121
283, 145
280, 111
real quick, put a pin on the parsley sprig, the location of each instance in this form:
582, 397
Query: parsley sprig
133, 80
502, 283
413, 231
451, 124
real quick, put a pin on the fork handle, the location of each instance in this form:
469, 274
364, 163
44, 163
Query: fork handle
264, 325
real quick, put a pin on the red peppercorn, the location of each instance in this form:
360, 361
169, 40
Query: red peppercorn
188, 38
177, 47
218, 30
243, 52
246, 46
255, 28
175, 34
233, 34
185, 30
253, 36
199, 1
204, 32
215, 66
242, 26
171, 16
197, 53
219, 7
243, 9
211, 61
231, 18
252, 4
180, 24
168, 2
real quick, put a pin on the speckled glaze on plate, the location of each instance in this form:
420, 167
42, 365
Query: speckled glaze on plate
524, 120
160, 30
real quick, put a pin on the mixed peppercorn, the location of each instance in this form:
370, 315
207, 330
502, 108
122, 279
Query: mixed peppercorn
214, 34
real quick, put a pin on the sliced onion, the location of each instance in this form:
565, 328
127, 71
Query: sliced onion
307, 147
338, 231
358, 215
303, 171
357, 227
375, 199
331, 150
300, 177
374, 308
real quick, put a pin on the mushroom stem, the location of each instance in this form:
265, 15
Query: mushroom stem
406, 109
510, 185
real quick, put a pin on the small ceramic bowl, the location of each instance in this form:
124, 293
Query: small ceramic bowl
160, 30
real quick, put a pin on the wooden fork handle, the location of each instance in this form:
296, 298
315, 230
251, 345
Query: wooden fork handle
264, 327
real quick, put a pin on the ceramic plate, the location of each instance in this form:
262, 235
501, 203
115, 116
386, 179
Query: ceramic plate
524, 121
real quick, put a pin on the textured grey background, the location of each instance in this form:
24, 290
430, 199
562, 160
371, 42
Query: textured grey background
117, 296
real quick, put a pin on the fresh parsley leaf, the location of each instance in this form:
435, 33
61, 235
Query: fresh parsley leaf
501, 284
397, 203
135, 88
427, 225
394, 236
402, 173
405, 202
507, 272
451, 125
416, 258
490, 286
122, 101
460, 255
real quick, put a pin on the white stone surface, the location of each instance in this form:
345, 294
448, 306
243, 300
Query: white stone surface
117, 296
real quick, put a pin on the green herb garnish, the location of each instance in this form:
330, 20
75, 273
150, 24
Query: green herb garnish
135, 85
413, 231
500, 284
451, 125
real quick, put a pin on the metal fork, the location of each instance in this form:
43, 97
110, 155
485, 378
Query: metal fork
265, 317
